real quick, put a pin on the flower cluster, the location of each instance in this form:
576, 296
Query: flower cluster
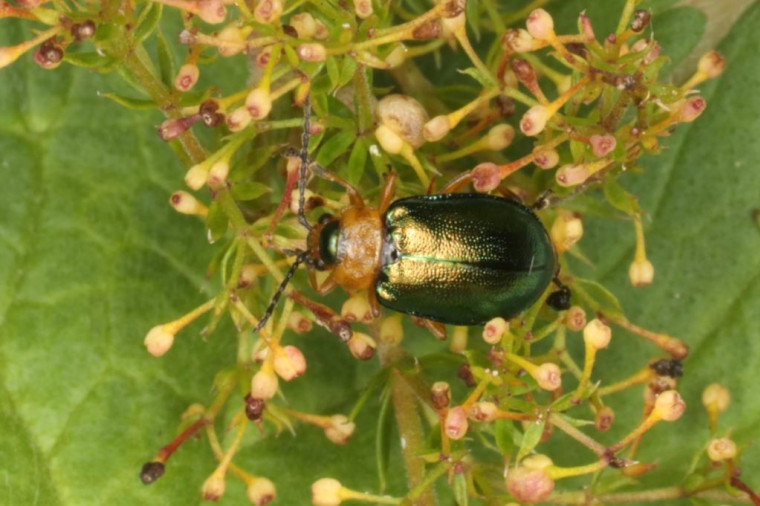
591, 105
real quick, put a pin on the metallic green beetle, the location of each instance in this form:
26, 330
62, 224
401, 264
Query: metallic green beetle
463, 258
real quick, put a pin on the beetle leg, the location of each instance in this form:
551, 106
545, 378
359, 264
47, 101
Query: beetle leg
389, 188
353, 194
457, 183
543, 201
438, 329
325, 316
327, 286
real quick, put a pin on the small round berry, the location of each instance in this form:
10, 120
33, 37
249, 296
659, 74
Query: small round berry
357, 309
602, 145
529, 486
716, 397
158, 341
340, 429
186, 77
214, 487
641, 272
548, 376
711, 64
437, 128
518, 41
405, 116
575, 318
267, 11
540, 24
572, 174
304, 25
326, 492
196, 177
692, 108
500, 137
566, 231
259, 103
456, 423
534, 120
312, 52
483, 411
260, 491
545, 157
669, 405
391, 330
721, 449
389, 140
597, 334
486, 177
604, 419
363, 8
289, 363
495, 329
212, 11
238, 119
362, 346
263, 384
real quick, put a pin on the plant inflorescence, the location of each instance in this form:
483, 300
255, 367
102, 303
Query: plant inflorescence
533, 114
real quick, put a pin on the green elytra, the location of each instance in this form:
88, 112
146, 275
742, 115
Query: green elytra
463, 258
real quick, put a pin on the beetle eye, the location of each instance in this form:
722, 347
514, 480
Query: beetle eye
324, 218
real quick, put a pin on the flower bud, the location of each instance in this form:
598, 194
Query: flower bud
436, 129
641, 272
566, 231
196, 177
545, 157
259, 103
572, 174
440, 394
711, 64
495, 329
312, 52
260, 491
267, 11
486, 177
363, 8
217, 174
669, 405
518, 41
238, 119
604, 419
716, 397
299, 323
185, 203
340, 429
231, 40
575, 318
596, 334
548, 376
391, 330
404, 116
483, 412
263, 384
602, 145
500, 136
174, 127
586, 28
212, 11
362, 346
186, 77
540, 24
213, 487
357, 308
304, 24
289, 363
692, 109
534, 120
456, 423
721, 449
158, 341
529, 486
326, 492
389, 140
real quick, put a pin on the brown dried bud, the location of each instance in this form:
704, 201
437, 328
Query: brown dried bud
640, 20
429, 30
254, 408
440, 395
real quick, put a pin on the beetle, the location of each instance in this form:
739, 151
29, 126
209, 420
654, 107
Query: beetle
448, 258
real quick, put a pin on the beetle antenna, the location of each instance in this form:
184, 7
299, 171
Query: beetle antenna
304, 162
302, 256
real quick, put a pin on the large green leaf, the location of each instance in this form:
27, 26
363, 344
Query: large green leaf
93, 257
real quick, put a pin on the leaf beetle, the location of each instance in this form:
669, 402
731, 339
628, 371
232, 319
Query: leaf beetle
447, 258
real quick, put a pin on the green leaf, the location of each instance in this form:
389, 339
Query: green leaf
148, 21
249, 190
166, 65
216, 222
357, 162
477, 75
333, 72
531, 437
89, 59
460, 489
334, 147
347, 70
137, 104
597, 297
